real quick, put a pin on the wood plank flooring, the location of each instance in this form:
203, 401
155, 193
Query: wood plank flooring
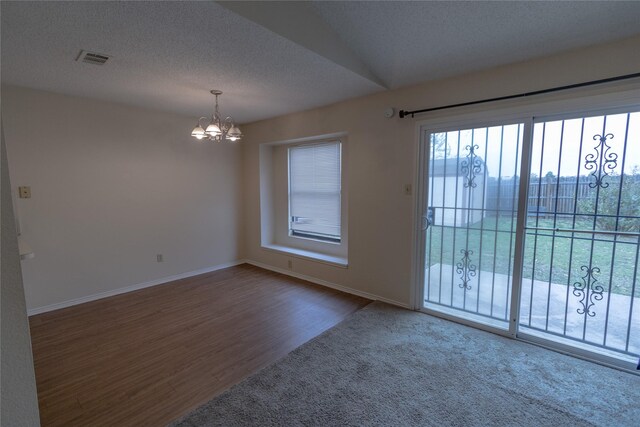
150, 356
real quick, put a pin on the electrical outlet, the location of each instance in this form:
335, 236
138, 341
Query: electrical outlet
407, 189
290, 264
24, 192
160, 258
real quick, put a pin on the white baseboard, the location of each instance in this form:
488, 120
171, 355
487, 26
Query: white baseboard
106, 294
328, 284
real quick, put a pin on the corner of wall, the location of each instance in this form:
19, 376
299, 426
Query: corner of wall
19, 395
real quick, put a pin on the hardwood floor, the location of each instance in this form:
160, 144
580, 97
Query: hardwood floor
150, 356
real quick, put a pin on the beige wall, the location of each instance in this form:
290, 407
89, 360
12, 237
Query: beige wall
382, 157
19, 402
112, 186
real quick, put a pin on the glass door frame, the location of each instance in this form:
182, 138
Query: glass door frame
528, 114
422, 201
564, 345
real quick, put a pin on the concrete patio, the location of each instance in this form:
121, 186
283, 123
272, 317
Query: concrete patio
548, 307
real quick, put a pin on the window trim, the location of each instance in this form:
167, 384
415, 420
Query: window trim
274, 204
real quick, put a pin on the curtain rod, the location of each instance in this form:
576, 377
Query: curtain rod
404, 113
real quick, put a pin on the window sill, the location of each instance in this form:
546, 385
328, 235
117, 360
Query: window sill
310, 255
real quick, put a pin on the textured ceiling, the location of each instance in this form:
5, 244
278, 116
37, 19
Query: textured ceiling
409, 42
276, 58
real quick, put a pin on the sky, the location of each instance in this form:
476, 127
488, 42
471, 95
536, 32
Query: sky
559, 147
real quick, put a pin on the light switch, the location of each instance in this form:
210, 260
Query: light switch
24, 192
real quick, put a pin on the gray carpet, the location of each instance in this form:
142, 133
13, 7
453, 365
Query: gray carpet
385, 366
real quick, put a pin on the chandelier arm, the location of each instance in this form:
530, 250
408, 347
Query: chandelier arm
216, 121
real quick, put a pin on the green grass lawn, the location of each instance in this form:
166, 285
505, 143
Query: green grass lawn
557, 259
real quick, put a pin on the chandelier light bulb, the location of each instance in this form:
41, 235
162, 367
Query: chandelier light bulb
234, 133
198, 132
213, 130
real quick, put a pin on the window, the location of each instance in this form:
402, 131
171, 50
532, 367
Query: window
315, 191
303, 198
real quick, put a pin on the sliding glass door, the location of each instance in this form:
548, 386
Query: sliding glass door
580, 275
471, 215
533, 228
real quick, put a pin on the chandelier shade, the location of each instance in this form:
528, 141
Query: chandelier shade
218, 130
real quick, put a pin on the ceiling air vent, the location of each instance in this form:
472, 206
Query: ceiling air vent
92, 57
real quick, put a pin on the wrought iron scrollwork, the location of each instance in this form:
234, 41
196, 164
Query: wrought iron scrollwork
602, 163
465, 269
588, 290
471, 166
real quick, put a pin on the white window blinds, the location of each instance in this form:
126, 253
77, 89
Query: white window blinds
314, 191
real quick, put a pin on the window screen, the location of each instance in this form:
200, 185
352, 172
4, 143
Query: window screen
314, 191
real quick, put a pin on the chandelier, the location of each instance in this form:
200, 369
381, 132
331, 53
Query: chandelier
217, 130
